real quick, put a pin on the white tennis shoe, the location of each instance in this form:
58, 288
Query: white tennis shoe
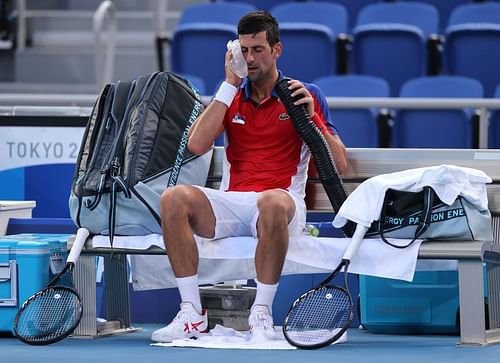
260, 323
187, 323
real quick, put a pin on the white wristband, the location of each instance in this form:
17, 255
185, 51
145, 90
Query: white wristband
226, 93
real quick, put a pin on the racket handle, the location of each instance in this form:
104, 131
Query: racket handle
81, 237
356, 239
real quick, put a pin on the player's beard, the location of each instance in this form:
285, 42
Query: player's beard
259, 75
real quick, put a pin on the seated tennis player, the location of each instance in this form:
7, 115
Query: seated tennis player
263, 184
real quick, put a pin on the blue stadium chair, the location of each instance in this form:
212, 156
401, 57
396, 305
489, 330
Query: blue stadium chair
472, 47
353, 8
260, 4
330, 15
219, 12
437, 128
494, 127
199, 48
357, 127
197, 82
200, 38
487, 12
390, 41
423, 16
308, 51
444, 8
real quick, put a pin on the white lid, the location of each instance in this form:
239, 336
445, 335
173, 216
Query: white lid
17, 204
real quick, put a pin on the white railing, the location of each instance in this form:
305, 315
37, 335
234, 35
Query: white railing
13, 100
104, 49
483, 105
159, 25
21, 24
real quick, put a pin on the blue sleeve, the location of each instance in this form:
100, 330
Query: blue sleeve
321, 106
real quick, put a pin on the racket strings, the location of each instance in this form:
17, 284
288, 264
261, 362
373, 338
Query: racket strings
319, 316
50, 314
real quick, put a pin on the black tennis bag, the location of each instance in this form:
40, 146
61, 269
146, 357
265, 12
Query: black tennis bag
413, 215
134, 146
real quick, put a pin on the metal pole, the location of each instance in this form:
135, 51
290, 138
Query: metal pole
483, 127
159, 29
21, 24
104, 62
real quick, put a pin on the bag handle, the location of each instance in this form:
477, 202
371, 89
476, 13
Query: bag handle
424, 219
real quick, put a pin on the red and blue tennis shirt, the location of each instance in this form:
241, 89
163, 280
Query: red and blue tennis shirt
263, 149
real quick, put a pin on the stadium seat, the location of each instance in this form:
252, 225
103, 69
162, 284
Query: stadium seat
308, 51
200, 38
227, 12
484, 12
197, 82
390, 41
357, 127
260, 4
494, 127
330, 15
444, 8
199, 48
472, 47
353, 7
443, 128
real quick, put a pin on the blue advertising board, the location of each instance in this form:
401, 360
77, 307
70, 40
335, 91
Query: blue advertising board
38, 156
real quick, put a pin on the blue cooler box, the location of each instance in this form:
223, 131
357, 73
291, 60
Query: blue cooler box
27, 264
428, 305
58, 244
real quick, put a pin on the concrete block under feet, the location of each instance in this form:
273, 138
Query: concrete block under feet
228, 306
238, 320
227, 297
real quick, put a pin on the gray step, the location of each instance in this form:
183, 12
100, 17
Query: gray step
63, 65
47, 4
83, 20
47, 88
131, 4
76, 29
127, 5
82, 39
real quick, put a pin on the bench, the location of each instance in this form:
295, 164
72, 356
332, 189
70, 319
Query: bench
363, 164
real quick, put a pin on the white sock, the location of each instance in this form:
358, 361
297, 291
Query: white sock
265, 295
190, 291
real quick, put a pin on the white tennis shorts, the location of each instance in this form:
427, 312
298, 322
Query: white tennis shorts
236, 213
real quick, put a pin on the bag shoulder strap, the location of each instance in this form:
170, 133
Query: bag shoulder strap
424, 219
120, 100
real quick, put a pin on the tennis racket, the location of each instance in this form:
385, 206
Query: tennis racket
53, 313
320, 316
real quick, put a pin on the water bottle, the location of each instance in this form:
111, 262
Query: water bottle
238, 64
312, 230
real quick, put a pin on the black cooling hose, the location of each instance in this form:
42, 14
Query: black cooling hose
318, 146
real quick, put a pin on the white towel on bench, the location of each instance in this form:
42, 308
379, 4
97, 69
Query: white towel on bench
364, 204
233, 258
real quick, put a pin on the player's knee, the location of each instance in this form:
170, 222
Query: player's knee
176, 201
272, 205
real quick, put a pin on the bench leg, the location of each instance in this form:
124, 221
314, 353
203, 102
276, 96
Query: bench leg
116, 285
117, 297
85, 283
471, 290
494, 295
